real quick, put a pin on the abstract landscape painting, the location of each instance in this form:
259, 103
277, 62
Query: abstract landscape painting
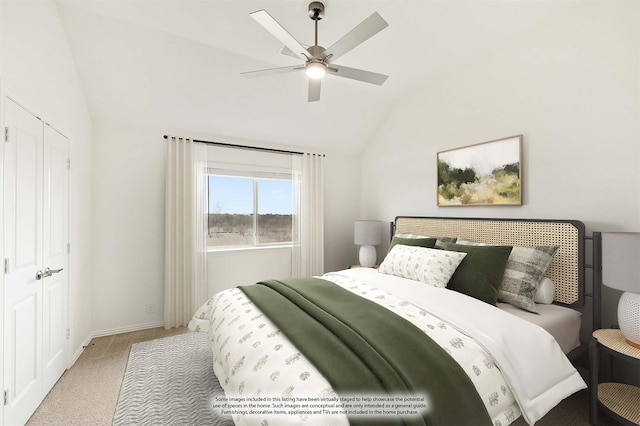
488, 173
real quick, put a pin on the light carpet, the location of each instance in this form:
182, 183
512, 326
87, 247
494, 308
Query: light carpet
170, 381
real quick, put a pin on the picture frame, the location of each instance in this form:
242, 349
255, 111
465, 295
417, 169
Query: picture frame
482, 174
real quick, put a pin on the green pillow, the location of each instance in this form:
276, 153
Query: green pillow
480, 273
420, 242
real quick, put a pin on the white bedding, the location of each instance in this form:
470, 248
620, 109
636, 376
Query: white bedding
562, 323
539, 382
239, 330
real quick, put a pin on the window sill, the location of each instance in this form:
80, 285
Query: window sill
228, 251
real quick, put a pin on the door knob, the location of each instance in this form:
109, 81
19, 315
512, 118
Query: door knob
39, 275
48, 272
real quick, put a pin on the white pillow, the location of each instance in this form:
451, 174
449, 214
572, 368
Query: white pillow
546, 292
430, 266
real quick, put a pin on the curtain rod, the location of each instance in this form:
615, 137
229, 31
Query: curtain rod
254, 148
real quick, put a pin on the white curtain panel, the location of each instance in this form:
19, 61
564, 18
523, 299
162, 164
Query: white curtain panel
201, 158
296, 220
308, 255
185, 245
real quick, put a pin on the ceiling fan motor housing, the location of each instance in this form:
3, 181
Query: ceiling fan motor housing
316, 10
316, 52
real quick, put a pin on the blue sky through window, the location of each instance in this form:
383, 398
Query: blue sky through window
235, 195
274, 196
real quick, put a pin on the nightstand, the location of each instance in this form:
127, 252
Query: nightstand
620, 401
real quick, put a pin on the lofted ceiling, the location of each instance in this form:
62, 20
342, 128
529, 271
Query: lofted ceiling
175, 65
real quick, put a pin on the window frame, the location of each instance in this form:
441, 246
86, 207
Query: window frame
255, 174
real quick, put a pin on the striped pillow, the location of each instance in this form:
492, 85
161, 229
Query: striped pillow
523, 274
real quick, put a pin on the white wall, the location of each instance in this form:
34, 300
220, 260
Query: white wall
128, 238
234, 268
570, 85
38, 69
342, 200
128, 213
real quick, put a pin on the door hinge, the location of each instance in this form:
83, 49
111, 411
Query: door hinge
68, 333
6, 266
68, 248
6, 397
69, 164
6, 134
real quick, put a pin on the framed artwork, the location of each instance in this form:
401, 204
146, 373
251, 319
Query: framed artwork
483, 174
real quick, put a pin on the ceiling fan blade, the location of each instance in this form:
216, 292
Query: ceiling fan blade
356, 74
288, 52
270, 71
362, 32
263, 18
314, 89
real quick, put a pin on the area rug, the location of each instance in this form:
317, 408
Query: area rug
169, 381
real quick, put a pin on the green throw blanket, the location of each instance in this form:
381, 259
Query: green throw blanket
362, 347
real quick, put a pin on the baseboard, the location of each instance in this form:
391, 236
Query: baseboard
127, 329
110, 332
79, 351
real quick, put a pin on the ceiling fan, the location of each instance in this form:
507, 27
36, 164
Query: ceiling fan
318, 61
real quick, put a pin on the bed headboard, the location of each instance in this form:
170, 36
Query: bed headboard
567, 267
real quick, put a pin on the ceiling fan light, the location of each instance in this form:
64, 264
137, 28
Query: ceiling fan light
315, 70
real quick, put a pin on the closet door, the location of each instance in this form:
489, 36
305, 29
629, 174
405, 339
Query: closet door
36, 212
23, 222
54, 248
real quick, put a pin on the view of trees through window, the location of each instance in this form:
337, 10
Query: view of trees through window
246, 211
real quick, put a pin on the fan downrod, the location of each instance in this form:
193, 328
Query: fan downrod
316, 10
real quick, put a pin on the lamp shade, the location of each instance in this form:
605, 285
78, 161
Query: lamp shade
367, 232
621, 260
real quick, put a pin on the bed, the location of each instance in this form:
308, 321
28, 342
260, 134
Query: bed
566, 270
464, 360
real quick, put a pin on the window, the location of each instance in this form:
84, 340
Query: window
249, 211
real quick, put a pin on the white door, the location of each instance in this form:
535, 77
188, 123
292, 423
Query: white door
54, 249
23, 190
35, 308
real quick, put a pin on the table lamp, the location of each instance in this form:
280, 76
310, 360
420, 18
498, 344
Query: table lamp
621, 270
367, 234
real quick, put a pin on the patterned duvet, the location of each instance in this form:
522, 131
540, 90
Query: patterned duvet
252, 357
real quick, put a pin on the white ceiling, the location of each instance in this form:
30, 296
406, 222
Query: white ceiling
175, 65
